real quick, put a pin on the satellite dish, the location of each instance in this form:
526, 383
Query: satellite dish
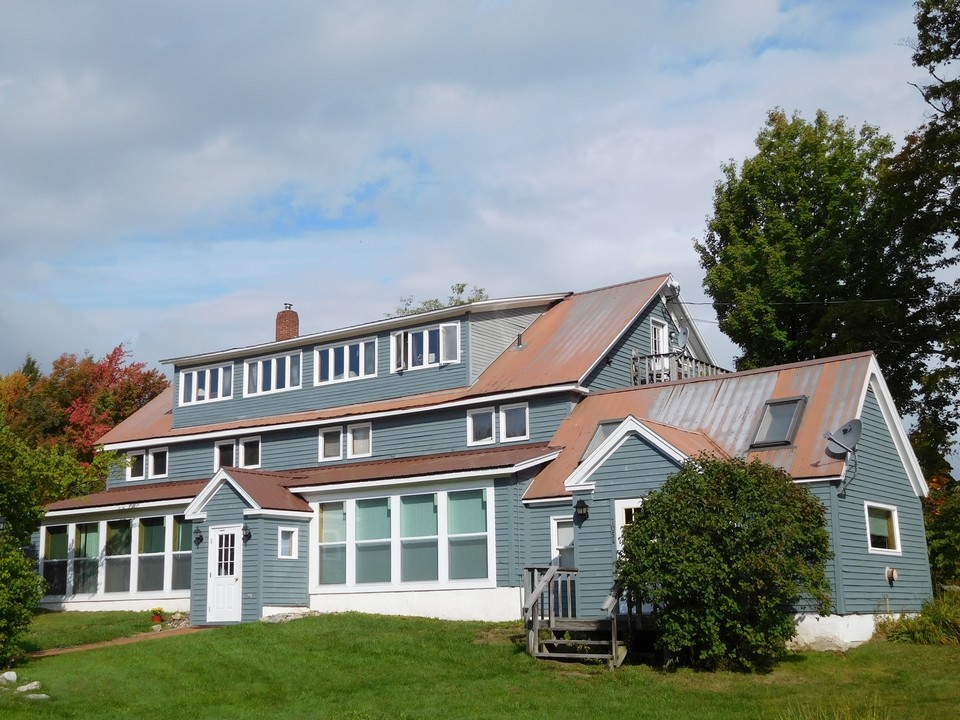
845, 439
684, 338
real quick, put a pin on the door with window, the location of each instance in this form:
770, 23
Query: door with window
225, 574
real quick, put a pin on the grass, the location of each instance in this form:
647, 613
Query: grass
357, 667
59, 629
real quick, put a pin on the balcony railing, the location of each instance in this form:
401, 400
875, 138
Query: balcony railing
647, 369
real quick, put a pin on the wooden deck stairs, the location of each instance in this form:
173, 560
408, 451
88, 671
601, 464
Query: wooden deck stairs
554, 632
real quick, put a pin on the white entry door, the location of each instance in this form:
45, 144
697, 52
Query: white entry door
225, 574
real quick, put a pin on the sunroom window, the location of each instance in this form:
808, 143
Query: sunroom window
150, 555
55, 560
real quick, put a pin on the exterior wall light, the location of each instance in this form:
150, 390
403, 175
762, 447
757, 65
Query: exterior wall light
582, 509
246, 533
197, 536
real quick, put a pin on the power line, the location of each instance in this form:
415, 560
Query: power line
862, 301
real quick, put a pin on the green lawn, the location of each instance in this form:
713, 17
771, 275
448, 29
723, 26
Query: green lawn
359, 666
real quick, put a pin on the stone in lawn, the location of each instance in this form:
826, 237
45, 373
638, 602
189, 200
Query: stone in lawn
29, 687
9, 677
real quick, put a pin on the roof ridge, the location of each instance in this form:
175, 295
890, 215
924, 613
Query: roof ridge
622, 284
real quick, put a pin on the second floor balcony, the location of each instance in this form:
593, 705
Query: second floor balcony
647, 369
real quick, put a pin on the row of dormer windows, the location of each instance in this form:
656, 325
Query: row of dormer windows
425, 347
509, 423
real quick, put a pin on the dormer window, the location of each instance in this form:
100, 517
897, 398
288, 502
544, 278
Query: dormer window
206, 384
425, 347
346, 362
272, 374
779, 422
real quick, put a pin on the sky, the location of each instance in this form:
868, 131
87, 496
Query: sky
172, 173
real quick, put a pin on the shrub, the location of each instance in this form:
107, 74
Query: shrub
20, 591
723, 551
937, 624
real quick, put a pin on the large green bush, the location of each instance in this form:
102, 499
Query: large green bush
723, 552
20, 591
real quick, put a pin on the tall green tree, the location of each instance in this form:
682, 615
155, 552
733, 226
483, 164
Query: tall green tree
810, 252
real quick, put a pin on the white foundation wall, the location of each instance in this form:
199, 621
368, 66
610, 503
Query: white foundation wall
835, 633
491, 604
168, 604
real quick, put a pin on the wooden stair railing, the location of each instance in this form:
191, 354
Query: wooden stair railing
553, 630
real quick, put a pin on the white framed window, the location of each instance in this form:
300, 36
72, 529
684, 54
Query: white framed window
158, 462
151, 555
430, 346
401, 540
287, 543
514, 423
118, 556
359, 440
562, 542
182, 553
659, 338
883, 528
224, 454
779, 422
624, 510
250, 452
56, 548
331, 444
480, 426
350, 361
206, 384
272, 374
137, 465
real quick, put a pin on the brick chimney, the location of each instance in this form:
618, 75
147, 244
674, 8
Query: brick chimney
288, 323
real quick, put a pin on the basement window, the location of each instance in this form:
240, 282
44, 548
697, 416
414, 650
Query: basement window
779, 422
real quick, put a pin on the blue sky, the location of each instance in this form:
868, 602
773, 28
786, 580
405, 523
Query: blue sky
171, 174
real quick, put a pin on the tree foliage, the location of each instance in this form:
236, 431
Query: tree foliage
458, 296
31, 476
943, 534
722, 551
814, 250
78, 401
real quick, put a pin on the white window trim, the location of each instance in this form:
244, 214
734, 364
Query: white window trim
216, 454
244, 441
274, 390
896, 528
620, 508
350, 431
294, 543
130, 457
346, 378
401, 347
555, 536
150, 473
492, 412
339, 455
228, 395
444, 581
659, 337
503, 422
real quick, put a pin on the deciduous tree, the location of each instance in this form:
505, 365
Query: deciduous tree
457, 297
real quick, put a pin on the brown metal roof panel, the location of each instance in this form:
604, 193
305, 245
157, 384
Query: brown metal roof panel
152, 420
269, 490
564, 343
131, 495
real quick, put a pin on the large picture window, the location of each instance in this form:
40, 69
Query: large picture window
351, 361
272, 374
206, 384
426, 537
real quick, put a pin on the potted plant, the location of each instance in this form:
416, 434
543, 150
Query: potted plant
157, 615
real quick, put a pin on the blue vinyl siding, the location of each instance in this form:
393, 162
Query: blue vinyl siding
879, 477
282, 581
385, 385
491, 333
632, 471
617, 372
224, 508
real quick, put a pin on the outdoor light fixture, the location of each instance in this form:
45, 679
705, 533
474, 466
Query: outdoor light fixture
246, 533
582, 509
197, 536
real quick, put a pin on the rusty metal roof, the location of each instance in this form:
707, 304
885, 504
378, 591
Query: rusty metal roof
561, 346
131, 495
565, 343
268, 489
726, 410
